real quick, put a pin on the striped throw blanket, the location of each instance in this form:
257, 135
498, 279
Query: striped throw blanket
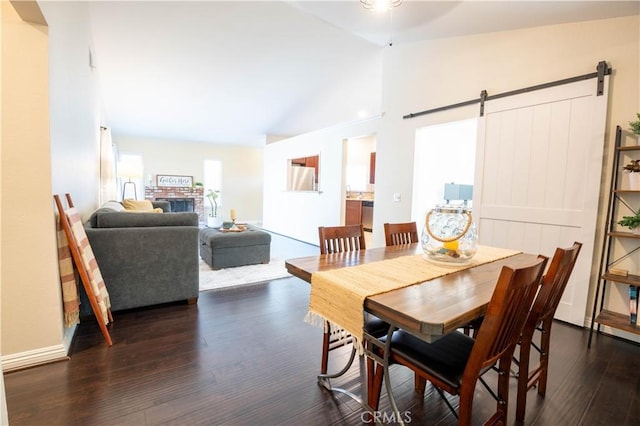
70, 299
338, 295
90, 265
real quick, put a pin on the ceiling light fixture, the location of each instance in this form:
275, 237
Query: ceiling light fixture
383, 6
380, 5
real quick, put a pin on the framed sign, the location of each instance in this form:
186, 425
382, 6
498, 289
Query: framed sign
173, 180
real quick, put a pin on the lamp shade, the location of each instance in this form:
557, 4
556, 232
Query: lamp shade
130, 168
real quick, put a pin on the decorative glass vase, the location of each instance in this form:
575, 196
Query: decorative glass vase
449, 234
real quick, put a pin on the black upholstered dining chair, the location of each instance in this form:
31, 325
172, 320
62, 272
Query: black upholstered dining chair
455, 362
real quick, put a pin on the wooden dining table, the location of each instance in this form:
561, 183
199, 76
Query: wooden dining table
429, 309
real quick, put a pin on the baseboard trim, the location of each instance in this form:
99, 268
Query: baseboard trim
35, 357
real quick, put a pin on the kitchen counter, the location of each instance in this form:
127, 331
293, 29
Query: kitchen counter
359, 195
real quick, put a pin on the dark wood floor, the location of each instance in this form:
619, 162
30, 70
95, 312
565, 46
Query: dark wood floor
245, 357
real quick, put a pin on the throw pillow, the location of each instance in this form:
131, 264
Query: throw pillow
138, 205
113, 205
156, 210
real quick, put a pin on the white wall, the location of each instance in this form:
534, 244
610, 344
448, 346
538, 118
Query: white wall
298, 214
499, 62
75, 105
241, 169
31, 303
425, 75
51, 116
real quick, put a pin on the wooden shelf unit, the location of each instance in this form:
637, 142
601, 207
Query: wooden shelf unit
616, 320
600, 315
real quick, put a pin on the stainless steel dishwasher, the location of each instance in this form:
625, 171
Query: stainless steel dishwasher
367, 215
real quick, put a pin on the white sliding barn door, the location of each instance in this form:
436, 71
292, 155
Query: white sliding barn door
537, 183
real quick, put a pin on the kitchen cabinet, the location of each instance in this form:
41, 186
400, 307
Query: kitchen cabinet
353, 212
372, 168
359, 212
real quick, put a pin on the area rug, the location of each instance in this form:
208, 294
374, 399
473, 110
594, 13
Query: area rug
241, 275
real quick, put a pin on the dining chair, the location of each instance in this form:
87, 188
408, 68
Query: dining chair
340, 239
400, 233
337, 239
540, 319
456, 362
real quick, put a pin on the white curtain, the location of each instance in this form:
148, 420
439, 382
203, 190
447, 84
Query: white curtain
108, 180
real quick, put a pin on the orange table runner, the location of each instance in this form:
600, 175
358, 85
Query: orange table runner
338, 295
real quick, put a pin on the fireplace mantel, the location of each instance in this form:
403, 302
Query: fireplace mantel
197, 193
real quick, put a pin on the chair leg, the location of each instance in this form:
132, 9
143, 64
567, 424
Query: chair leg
545, 343
419, 384
325, 349
374, 389
387, 378
465, 401
523, 377
502, 405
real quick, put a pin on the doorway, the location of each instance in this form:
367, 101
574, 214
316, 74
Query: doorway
359, 180
444, 153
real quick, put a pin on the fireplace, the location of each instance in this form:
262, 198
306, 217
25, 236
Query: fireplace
182, 199
180, 204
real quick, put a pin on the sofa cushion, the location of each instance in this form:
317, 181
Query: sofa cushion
137, 205
111, 219
156, 210
215, 238
113, 205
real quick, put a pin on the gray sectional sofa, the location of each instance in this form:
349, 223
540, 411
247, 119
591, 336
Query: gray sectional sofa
145, 258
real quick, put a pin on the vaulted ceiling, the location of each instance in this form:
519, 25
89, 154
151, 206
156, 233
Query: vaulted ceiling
236, 71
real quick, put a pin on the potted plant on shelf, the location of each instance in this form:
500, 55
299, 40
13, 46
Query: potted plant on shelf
632, 170
213, 221
635, 127
631, 222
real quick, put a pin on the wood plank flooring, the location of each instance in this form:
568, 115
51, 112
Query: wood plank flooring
245, 357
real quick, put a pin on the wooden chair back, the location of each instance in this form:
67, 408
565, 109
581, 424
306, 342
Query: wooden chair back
469, 359
506, 315
541, 318
338, 239
496, 340
400, 233
554, 282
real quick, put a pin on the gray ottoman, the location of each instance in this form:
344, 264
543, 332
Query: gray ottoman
228, 249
